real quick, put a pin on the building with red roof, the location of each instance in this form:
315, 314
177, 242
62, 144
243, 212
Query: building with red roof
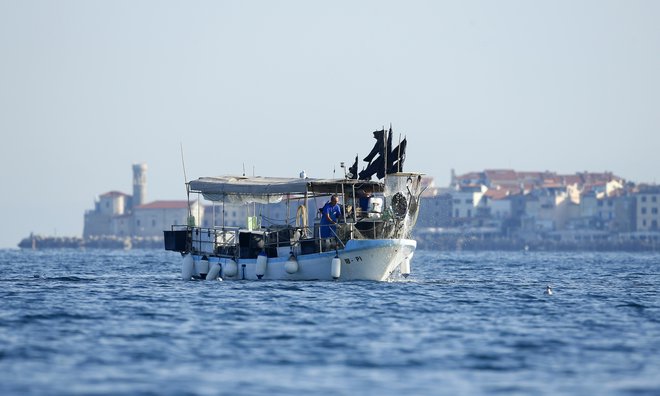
117, 214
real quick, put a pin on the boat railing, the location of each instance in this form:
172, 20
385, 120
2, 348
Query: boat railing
203, 240
276, 240
302, 240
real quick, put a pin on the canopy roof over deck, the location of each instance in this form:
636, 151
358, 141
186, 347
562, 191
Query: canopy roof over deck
271, 189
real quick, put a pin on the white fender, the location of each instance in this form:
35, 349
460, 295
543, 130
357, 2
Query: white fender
202, 267
335, 269
214, 269
262, 261
405, 267
187, 267
229, 268
291, 265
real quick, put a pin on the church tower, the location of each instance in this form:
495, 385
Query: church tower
139, 184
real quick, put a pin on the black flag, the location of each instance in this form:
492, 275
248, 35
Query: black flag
353, 169
378, 147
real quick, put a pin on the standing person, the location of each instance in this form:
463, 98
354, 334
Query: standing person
365, 195
330, 215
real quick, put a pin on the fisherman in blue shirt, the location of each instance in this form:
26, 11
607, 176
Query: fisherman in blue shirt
330, 215
364, 195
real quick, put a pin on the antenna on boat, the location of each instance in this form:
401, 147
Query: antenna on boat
183, 163
398, 161
243, 169
384, 151
185, 181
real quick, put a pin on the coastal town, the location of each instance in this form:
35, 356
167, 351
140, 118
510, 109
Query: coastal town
508, 209
499, 209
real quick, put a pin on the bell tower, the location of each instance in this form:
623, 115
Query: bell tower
139, 184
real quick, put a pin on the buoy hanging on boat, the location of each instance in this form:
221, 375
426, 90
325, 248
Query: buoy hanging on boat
229, 268
187, 267
214, 269
291, 265
262, 261
405, 267
202, 267
335, 269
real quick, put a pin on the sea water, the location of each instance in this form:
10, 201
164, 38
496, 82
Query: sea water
123, 322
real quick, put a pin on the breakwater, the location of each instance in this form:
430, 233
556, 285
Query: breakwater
104, 242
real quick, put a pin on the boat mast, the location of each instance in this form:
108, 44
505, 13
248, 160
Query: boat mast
185, 182
355, 201
385, 151
343, 196
398, 161
306, 211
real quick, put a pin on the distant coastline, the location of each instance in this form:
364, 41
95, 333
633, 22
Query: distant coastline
493, 209
107, 242
424, 241
473, 243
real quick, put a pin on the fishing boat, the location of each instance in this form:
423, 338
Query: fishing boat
370, 240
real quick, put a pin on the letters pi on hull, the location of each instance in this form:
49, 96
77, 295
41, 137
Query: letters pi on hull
352, 228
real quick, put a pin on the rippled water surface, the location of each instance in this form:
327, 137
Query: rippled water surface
110, 322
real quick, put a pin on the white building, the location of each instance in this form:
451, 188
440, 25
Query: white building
499, 204
102, 220
647, 208
465, 204
547, 210
117, 214
152, 219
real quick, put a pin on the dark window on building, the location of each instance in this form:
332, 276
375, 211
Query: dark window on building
654, 210
456, 213
609, 203
153, 223
644, 223
643, 210
469, 213
643, 198
468, 201
600, 203
457, 201
653, 198
138, 223
654, 224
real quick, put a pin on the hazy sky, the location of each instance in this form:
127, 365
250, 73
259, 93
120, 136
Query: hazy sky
87, 88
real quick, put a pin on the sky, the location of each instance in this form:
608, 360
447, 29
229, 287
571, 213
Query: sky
87, 88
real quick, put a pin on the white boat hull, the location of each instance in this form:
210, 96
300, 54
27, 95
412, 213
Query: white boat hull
361, 259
